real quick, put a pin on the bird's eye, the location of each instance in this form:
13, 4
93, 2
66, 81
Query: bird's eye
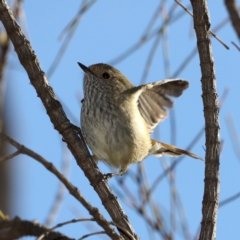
106, 75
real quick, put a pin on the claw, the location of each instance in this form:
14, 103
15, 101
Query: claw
110, 175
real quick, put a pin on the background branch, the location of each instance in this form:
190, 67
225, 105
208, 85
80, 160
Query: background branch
232, 9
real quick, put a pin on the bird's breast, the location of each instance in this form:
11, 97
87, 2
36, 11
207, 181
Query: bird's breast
116, 133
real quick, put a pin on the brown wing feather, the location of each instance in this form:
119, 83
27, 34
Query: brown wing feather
154, 101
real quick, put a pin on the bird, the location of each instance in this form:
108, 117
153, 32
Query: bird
117, 118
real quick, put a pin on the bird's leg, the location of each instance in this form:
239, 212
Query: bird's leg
110, 175
107, 176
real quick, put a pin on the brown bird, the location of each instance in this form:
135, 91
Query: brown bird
117, 118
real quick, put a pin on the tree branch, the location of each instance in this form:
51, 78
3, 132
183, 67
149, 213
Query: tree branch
59, 119
17, 228
211, 114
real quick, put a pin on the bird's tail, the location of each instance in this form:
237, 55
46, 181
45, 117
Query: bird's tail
160, 148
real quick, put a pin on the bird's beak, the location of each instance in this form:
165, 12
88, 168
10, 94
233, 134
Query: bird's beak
84, 68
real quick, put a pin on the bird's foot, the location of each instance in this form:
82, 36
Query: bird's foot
110, 175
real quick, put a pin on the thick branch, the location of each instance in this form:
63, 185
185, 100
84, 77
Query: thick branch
57, 116
17, 228
211, 110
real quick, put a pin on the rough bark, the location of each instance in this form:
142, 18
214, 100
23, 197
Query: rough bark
211, 114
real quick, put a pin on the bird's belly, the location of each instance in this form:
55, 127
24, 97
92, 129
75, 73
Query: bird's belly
114, 140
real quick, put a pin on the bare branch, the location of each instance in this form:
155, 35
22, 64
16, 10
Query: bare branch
194, 51
230, 199
70, 30
233, 135
10, 156
235, 45
158, 38
63, 224
54, 109
57, 203
212, 33
211, 114
72, 221
92, 234
17, 228
147, 36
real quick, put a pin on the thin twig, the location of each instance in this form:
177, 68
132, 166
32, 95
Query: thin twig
173, 134
235, 45
177, 201
63, 224
158, 226
57, 202
72, 221
230, 199
90, 225
150, 57
92, 234
144, 39
233, 135
150, 203
153, 50
187, 60
212, 33
175, 163
10, 156
71, 28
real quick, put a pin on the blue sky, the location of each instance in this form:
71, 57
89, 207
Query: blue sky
104, 32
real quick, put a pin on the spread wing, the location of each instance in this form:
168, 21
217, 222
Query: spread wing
154, 101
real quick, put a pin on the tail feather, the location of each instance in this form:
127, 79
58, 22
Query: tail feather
160, 148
